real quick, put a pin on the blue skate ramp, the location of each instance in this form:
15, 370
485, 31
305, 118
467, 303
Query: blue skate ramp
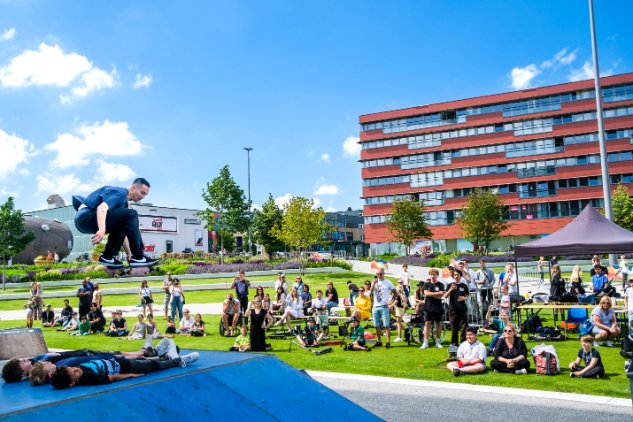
219, 386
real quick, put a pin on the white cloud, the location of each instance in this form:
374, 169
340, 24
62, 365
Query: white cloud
15, 151
142, 81
110, 173
326, 190
316, 203
7, 35
582, 73
94, 80
562, 58
351, 147
49, 65
522, 76
283, 200
107, 139
49, 183
325, 157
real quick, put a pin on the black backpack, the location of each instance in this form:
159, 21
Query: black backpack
531, 324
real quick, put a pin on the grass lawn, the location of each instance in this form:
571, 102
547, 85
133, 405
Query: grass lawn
400, 361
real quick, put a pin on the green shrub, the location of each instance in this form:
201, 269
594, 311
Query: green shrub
440, 261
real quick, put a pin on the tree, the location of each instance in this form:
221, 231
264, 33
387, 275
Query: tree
622, 207
227, 199
482, 218
13, 236
263, 222
407, 223
301, 227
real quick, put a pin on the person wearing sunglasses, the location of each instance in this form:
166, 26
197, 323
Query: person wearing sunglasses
510, 353
605, 324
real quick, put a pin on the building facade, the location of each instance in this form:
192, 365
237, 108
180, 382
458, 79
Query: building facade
347, 238
537, 148
163, 229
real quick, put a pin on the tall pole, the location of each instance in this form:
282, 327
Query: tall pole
248, 157
604, 167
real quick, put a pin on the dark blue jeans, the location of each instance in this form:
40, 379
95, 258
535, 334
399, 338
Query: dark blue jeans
120, 223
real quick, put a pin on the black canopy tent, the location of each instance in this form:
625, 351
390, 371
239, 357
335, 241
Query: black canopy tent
589, 233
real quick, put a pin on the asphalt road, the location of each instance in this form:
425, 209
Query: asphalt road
411, 400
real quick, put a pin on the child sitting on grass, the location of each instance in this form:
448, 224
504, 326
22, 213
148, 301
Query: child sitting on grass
84, 327
358, 336
73, 323
242, 342
590, 357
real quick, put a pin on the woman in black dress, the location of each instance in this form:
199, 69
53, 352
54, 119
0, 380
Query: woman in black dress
260, 320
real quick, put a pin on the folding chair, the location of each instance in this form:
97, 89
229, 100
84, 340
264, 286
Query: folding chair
575, 317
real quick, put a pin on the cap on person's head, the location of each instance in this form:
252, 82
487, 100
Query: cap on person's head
311, 319
280, 273
354, 319
48, 305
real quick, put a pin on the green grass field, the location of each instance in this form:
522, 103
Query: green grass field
399, 361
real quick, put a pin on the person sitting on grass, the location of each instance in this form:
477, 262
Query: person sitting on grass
118, 325
471, 355
605, 324
96, 318
108, 370
84, 327
138, 330
358, 336
497, 324
319, 308
151, 327
197, 329
362, 306
48, 316
186, 323
72, 324
510, 353
294, 309
310, 336
242, 342
66, 314
170, 326
230, 314
590, 357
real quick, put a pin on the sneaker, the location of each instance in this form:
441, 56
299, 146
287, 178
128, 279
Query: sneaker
425, 345
521, 371
326, 337
397, 340
145, 261
438, 344
596, 344
367, 349
608, 343
190, 358
110, 263
457, 372
388, 346
378, 344
572, 375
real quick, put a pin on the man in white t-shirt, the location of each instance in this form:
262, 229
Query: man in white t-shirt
471, 355
406, 278
281, 282
381, 295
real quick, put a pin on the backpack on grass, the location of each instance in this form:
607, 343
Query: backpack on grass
546, 360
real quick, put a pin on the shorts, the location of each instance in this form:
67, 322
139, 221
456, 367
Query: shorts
381, 317
433, 316
596, 330
400, 312
166, 301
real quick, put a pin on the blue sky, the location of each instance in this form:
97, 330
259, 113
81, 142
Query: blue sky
96, 93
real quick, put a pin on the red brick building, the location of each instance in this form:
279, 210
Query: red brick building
538, 148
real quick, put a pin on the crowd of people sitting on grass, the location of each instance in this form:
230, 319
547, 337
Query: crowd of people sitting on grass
443, 298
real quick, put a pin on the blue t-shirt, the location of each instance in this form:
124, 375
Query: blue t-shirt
113, 196
598, 282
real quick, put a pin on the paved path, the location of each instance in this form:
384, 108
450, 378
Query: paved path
396, 399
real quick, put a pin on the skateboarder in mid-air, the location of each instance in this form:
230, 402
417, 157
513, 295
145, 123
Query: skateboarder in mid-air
106, 211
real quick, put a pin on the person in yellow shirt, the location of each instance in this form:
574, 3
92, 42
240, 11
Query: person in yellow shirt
362, 306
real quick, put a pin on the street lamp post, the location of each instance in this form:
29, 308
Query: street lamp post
606, 185
248, 157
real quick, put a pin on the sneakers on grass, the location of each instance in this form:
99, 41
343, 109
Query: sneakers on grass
425, 345
608, 343
521, 371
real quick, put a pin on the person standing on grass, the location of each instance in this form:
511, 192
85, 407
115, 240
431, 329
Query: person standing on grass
406, 278
433, 308
241, 285
381, 295
457, 293
97, 296
167, 282
485, 280
84, 293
